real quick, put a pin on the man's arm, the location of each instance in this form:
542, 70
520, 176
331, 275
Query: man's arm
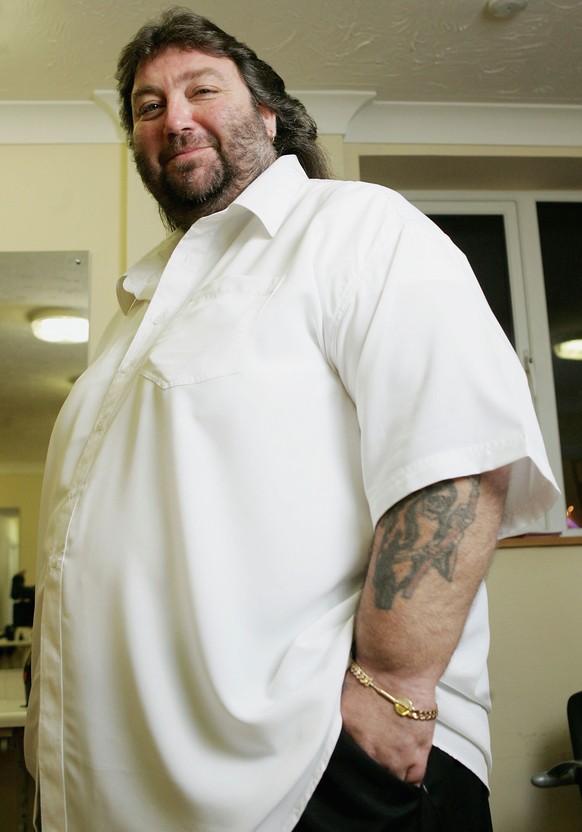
429, 554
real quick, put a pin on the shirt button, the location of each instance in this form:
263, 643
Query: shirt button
54, 561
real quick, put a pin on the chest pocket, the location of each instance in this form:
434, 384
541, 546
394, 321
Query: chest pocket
209, 337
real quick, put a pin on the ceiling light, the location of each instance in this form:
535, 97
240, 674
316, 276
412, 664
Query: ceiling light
571, 350
505, 8
60, 326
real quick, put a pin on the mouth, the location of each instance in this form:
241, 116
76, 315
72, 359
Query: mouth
188, 151
184, 153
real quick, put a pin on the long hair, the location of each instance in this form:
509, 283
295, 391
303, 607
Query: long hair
182, 28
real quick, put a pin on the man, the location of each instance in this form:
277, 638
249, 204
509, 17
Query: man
271, 501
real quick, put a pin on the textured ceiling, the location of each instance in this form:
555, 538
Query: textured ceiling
416, 50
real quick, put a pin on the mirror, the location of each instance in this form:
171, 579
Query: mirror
36, 378
9, 561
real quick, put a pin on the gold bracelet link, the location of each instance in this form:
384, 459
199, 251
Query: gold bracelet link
402, 705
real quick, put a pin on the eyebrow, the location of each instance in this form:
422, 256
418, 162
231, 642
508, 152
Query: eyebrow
188, 75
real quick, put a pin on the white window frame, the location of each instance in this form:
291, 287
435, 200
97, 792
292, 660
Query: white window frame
528, 300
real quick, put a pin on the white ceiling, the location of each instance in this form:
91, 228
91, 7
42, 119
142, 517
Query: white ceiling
415, 50
403, 50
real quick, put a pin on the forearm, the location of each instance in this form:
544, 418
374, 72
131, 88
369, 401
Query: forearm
429, 555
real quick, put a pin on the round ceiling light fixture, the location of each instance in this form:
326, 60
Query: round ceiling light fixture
570, 350
505, 8
60, 326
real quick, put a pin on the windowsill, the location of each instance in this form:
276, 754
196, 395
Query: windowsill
528, 540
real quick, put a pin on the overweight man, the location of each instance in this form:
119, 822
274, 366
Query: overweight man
271, 500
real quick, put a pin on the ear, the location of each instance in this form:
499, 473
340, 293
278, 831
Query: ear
270, 120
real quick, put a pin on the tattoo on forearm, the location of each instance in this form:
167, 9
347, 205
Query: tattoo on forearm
421, 533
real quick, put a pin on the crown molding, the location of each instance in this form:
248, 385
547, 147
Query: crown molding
402, 122
57, 122
333, 110
354, 115
109, 101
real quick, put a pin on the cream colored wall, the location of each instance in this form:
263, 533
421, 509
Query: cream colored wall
535, 597
144, 226
336, 152
22, 491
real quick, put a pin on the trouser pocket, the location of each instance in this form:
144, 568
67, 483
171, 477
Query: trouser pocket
357, 793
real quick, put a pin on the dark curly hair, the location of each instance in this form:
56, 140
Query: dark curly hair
180, 27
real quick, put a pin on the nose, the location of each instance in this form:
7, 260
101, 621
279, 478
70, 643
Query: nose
179, 115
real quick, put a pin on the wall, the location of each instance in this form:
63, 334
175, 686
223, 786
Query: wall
22, 491
535, 664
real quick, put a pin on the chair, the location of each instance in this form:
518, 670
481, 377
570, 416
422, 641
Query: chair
568, 772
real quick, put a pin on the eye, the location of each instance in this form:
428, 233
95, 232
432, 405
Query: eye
203, 92
149, 109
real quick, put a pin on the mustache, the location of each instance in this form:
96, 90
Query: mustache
178, 144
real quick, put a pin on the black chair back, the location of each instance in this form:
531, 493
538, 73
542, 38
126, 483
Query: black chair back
574, 710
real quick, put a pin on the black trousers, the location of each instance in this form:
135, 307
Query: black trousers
356, 794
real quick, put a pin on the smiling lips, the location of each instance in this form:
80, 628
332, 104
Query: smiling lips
188, 150
182, 147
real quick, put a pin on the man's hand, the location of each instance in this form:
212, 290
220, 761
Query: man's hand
400, 744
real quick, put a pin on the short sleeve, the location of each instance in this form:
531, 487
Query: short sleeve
439, 390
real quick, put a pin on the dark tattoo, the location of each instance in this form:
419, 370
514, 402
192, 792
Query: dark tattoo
421, 533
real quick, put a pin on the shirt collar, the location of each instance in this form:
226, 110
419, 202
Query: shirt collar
140, 282
269, 197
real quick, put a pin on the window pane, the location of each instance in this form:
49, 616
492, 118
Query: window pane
481, 237
560, 226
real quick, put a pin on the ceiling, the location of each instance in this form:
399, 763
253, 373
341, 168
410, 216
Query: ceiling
403, 50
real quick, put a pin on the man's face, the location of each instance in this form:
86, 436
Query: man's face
198, 138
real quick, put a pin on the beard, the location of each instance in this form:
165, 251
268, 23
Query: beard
188, 190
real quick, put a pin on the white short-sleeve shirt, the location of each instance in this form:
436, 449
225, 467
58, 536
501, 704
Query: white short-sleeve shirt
277, 378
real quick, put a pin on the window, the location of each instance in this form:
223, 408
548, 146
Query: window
560, 229
526, 250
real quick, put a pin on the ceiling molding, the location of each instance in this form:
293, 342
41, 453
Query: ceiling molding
353, 115
418, 123
56, 122
108, 100
333, 110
